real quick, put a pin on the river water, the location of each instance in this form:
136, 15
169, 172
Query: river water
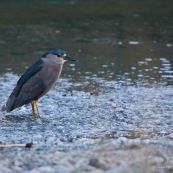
111, 39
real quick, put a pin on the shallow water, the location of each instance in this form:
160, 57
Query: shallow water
119, 92
111, 39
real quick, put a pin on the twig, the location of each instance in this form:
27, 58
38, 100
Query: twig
28, 145
1, 120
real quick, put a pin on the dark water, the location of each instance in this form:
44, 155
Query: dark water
112, 39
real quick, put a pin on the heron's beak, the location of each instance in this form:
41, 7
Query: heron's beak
69, 58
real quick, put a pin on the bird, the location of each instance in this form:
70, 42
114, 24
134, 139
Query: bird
38, 79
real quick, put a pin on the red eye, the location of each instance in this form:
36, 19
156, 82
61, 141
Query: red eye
59, 55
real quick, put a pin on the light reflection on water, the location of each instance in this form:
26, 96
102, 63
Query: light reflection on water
122, 42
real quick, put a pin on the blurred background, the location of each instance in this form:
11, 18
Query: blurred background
125, 40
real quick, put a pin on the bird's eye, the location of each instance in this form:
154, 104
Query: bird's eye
58, 55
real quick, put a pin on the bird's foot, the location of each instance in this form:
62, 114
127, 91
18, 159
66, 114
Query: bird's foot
34, 105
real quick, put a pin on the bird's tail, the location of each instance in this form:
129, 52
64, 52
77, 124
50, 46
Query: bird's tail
10, 103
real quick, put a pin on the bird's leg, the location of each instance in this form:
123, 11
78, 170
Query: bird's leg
36, 105
33, 110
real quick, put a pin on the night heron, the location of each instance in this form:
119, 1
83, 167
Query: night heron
37, 80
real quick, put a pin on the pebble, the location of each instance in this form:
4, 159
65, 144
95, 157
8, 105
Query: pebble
95, 162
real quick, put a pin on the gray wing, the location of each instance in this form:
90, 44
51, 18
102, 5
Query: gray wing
29, 87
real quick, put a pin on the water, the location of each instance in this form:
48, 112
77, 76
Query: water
110, 39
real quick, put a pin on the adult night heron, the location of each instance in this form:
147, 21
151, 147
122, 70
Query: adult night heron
37, 80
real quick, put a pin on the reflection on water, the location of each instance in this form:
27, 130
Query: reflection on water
113, 40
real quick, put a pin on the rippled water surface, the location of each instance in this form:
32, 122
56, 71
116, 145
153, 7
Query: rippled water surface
111, 39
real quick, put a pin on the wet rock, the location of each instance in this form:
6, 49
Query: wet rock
111, 99
121, 140
95, 162
114, 105
67, 139
3, 108
170, 136
95, 93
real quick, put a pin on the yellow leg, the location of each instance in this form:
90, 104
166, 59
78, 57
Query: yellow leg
35, 105
33, 111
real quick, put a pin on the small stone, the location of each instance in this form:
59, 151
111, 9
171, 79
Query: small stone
3, 108
139, 131
114, 105
170, 136
95, 93
95, 162
78, 136
122, 139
